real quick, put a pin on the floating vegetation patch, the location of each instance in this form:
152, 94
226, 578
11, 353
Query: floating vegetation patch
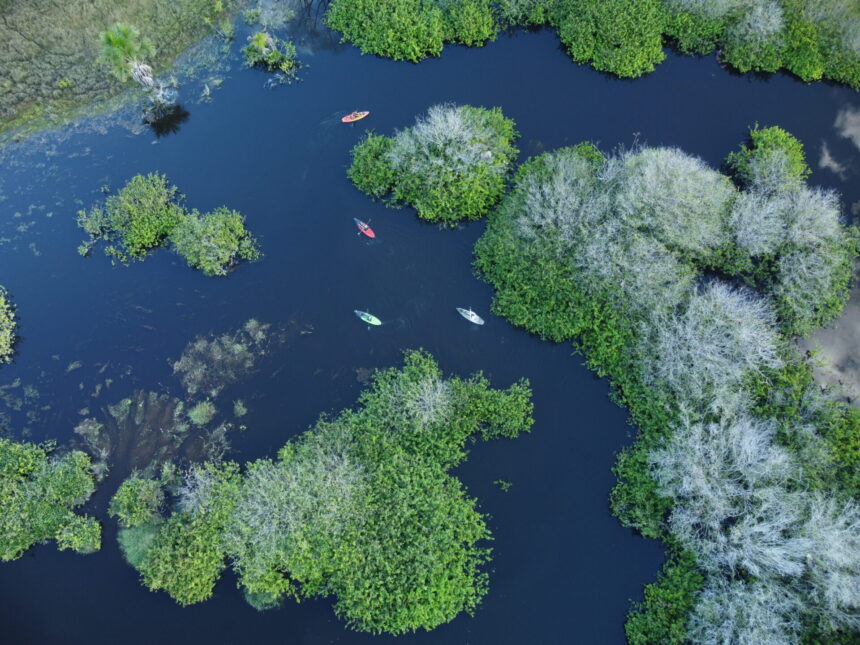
39, 491
272, 54
146, 214
812, 39
210, 363
147, 429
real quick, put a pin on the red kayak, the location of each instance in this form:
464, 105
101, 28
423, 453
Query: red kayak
352, 117
364, 228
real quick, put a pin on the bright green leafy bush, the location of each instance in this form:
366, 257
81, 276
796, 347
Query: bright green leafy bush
137, 501
81, 534
7, 327
411, 29
145, 215
215, 242
361, 507
623, 37
813, 39
38, 493
451, 165
274, 54
138, 219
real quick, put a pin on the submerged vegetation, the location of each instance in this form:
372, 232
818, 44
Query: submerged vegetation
684, 286
7, 327
146, 214
450, 166
38, 494
813, 40
361, 507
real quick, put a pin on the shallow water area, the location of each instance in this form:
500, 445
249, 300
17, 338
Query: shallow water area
563, 568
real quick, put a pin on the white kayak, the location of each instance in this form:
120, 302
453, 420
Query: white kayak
470, 315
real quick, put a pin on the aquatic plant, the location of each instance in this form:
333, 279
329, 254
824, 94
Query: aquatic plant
360, 507
202, 413
451, 165
215, 242
741, 464
813, 40
145, 214
7, 327
138, 219
38, 495
208, 365
137, 501
274, 54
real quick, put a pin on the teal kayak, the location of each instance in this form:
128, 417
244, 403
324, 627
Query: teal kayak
370, 319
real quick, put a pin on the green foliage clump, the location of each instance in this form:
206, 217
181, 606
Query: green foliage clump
202, 413
138, 219
38, 495
145, 214
185, 556
81, 534
451, 165
623, 37
740, 463
662, 616
7, 327
812, 39
215, 242
274, 54
361, 507
137, 501
412, 29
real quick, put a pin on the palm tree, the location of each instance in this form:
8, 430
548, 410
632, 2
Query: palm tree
125, 51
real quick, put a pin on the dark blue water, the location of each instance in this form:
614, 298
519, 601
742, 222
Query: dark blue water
564, 569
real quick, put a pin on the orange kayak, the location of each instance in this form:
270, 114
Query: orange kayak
352, 117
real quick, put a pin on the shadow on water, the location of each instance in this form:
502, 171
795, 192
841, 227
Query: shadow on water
168, 121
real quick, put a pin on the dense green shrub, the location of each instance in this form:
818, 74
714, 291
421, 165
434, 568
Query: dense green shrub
412, 29
274, 54
7, 327
451, 165
137, 501
739, 462
623, 37
361, 507
138, 219
215, 242
813, 39
145, 215
38, 493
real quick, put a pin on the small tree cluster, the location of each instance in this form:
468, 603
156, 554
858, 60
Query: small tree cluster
38, 495
813, 39
146, 214
451, 165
